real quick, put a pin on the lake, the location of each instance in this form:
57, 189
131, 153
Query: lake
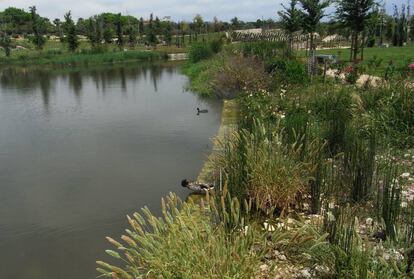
81, 149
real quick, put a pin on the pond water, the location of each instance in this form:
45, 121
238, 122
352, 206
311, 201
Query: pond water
80, 149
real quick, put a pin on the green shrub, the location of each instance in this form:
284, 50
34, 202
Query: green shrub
199, 51
288, 71
216, 45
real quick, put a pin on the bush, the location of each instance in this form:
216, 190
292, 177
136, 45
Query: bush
199, 51
240, 74
216, 45
287, 71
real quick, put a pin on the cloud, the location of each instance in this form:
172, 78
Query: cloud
248, 10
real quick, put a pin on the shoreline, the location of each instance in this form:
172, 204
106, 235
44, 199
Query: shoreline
228, 124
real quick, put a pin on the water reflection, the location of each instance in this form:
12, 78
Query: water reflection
81, 149
40, 80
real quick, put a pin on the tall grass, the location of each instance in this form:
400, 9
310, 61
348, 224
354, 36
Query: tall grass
257, 164
189, 241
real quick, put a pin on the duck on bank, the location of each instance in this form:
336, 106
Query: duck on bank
197, 187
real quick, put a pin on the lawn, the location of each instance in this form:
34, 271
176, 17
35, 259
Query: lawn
400, 56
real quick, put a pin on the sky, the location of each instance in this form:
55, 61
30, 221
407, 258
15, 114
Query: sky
247, 10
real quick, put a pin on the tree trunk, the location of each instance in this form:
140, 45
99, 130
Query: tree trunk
362, 45
356, 47
351, 55
311, 61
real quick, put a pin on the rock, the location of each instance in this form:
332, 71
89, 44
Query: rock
264, 267
322, 271
304, 274
282, 257
269, 227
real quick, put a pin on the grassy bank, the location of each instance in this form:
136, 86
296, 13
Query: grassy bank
229, 118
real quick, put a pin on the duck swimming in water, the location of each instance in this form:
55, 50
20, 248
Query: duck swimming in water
198, 188
201, 111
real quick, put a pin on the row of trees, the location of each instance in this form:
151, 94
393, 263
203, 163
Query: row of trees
18, 21
109, 28
364, 21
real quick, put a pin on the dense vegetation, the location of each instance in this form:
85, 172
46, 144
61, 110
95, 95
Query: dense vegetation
319, 170
316, 176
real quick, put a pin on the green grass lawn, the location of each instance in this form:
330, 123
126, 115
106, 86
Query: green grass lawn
400, 56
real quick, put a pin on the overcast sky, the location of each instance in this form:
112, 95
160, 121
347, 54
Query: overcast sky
248, 10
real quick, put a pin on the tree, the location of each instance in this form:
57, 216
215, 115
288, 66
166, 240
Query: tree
355, 14
217, 25
132, 35
94, 31
38, 29
291, 20
313, 12
400, 26
167, 33
108, 34
141, 27
14, 20
198, 23
157, 26
70, 32
119, 32
151, 37
235, 23
5, 43
58, 25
